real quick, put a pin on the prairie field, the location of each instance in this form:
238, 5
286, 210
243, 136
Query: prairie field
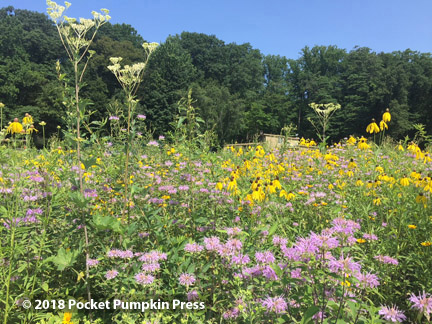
243, 235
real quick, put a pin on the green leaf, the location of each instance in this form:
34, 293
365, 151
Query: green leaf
45, 286
273, 229
64, 259
310, 312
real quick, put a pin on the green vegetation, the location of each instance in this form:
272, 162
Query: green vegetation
240, 91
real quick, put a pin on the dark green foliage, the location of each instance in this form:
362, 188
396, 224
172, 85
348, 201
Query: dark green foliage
169, 73
238, 91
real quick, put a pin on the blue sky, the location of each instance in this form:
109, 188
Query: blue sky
279, 27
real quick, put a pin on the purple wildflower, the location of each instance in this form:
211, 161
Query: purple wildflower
150, 267
392, 314
265, 257
92, 262
212, 243
192, 295
153, 143
386, 259
144, 278
368, 280
422, 302
275, 304
111, 274
187, 279
193, 248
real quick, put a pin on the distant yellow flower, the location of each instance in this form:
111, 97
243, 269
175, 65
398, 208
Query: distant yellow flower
31, 130
377, 201
404, 182
360, 240
28, 119
386, 116
363, 145
372, 127
15, 127
379, 169
67, 318
426, 243
412, 226
351, 140
352, 164
421, 199
383, 125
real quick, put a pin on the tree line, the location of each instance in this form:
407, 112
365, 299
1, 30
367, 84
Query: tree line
238, 91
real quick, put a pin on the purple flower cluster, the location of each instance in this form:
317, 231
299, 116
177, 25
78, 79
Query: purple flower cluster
276, 305
193, 248
120, 254
423, 303
144, 278
187, 279
386, 259
392, 314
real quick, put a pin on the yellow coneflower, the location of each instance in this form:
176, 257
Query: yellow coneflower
28, 119
421, 199
386, 116
15, 127
372, 127
31, 130
352, 164
377, 201
383, 125
404, 181
379, 169
412, 226
426, 243
351, 140
363, 145
360, 240
359, 183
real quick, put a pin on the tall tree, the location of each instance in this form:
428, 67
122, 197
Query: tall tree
169, 74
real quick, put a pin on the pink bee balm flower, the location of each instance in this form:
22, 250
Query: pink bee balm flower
187, 279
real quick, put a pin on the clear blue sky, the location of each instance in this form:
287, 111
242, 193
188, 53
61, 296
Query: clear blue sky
280, 27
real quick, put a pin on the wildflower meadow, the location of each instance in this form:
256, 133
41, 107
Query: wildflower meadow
111, 223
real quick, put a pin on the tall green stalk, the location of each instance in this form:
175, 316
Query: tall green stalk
130, 77
73, 36
324, 112
1, 115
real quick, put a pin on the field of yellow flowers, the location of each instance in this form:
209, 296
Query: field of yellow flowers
245, 235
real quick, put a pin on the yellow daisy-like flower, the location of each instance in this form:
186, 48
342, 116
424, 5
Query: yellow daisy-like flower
28, 119
67, 318
412, 226
426, 243
404, 182
31, 130
15, 127
372, 127
421, 198
383, 125
363, 145
351, 140
359, 183
386, 116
